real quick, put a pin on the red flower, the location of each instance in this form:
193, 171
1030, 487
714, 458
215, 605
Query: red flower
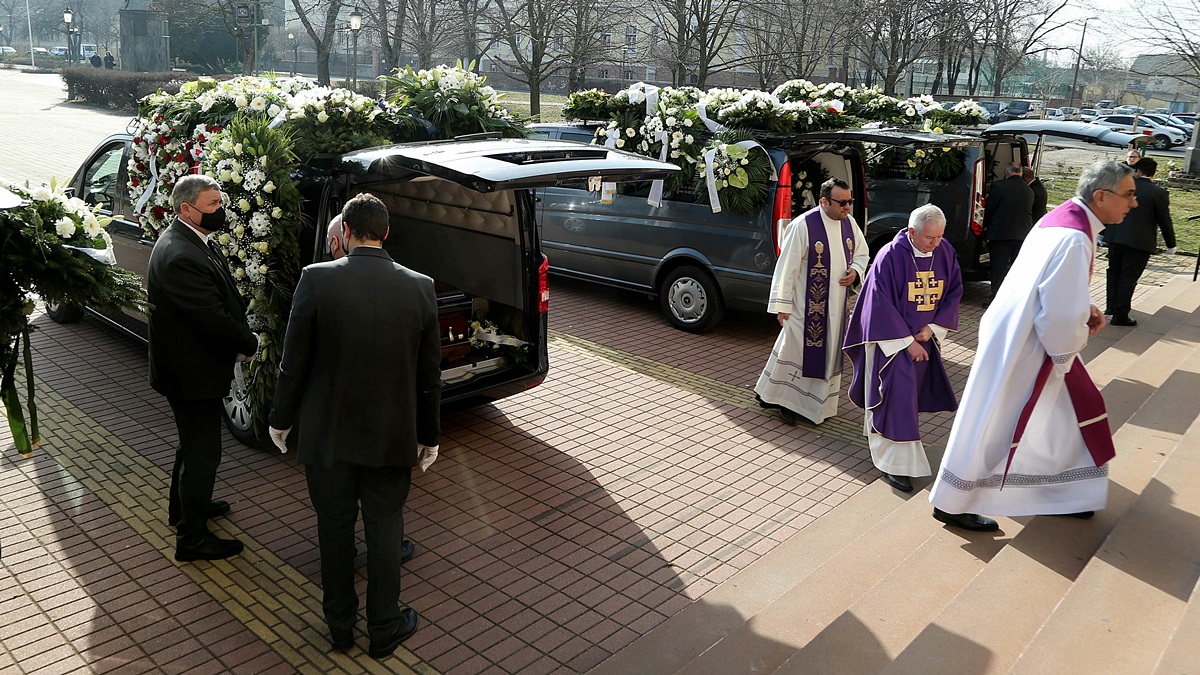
217, 129
200, 138
157, 212
134, 182
141, 167
158, 118
179, 157
163, 140
137, 139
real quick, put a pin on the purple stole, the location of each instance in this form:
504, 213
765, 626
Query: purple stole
816, 296
1090, 412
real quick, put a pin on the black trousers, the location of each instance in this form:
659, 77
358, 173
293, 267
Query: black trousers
336, 493
1125, 267
1003, 253
196, 462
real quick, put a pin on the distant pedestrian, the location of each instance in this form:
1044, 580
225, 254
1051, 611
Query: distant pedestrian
1132, 157
1007, 219
823, 255
1134, 239
908, 303
110, 61
94, 59
1040, 198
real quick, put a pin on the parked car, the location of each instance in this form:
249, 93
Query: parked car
1087, 114
40, 51
1171, 121
1055, 115
1106, 103
993, 109
7, 51
1162, 137
59, 51
1186, 116
1070, 114
1160, 111
1128, 110
463, 212
1021, 109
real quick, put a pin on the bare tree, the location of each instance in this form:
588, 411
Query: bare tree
475, 36
323, 34
1171, 29
527, 28
1104, 67
894, 34
1020, 28
580, 38
785, 39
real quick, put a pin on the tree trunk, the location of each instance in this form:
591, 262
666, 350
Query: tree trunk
535, 98
323, 65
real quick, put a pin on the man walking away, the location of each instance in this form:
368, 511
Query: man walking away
1040, 197
198, 331
823, 254
908, 303
1133, 240
361, 373
1007, 218
1031, 436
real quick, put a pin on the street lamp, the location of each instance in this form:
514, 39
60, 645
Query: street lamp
1078, 59
355, 26
295, 50
67, 18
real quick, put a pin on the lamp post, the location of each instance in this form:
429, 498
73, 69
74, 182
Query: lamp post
295, 50
355, 26
68, 16
1078, 59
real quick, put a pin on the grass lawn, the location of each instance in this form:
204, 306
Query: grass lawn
1184, 203
518, 103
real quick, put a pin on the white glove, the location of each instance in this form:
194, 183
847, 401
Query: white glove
1172, 251
425, 456
279, 438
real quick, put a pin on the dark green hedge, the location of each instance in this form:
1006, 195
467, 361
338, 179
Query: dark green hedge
118, 88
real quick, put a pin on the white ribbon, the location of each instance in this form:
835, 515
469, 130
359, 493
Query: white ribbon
279, 119
710, 177
151, 186
656, 188
239, 380
105, 255
713, 125
607, 190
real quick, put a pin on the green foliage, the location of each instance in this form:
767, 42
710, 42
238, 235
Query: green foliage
455, 100
592, 104
117, 89
742, 174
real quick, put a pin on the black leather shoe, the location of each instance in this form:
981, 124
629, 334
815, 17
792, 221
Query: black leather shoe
1123, 321
763, 404
787, 416
211, 548
408, 626
901, 483
407, 551
341, 645
216, 509
967, 521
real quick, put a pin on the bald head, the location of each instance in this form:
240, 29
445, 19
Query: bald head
334, 238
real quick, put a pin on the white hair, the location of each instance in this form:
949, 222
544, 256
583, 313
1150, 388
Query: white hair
924, 214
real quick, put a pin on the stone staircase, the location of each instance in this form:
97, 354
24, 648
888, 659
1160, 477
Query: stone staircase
878, 586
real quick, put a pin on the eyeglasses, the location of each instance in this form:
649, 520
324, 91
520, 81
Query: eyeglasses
842, 202
1131, 195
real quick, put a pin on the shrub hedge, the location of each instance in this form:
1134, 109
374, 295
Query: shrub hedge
121, 89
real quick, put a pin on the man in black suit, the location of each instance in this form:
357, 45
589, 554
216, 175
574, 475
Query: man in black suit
362, 369
1132, 241
198, 331
1007, 219
1040, 197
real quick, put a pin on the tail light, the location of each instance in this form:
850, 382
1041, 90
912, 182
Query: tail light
783, 204
544, 285
977, 200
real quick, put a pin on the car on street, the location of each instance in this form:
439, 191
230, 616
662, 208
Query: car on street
1171, 121
1128, 110
1162, 137
1070, 114
993, 109
462, 212
1055, 115
7, 51
40, 51
1021, 109
1087, 114
1186, 116
59, 51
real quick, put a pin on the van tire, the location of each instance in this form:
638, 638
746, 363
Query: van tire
61, 312
691, 299
239, 416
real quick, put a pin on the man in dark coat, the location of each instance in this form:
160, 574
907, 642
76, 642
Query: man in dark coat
362, 368
1040, 198
1007, 218
1131, 242
198, 331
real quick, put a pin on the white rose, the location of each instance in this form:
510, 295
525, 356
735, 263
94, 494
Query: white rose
42, 194
689, 139
65, 227
671, 121
262, 269
273, 110
235, 177
243, 204
322, 117
276, 213
224, 239
258, 200
224, 176
238, 231
242, 254
239, 273
241, 101
237, 149
620, 142
269, 187
687, 122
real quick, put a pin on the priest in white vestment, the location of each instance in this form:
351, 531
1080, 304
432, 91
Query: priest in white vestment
822, 256
1031, 436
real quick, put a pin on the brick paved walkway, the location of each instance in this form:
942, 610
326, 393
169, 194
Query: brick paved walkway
557, 526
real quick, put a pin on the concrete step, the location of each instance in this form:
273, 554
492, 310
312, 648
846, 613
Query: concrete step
1125, 606
1182, 655
986, 628
816, 606
726, 609
1110, 352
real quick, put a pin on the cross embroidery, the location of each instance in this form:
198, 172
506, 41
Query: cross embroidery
925, 291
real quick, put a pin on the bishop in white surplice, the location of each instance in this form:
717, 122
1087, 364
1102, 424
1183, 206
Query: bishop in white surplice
1043, 309
782, 382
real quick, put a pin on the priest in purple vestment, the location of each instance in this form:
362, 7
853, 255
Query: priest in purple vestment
908, 303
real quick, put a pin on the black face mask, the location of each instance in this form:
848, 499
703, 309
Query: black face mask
212, 221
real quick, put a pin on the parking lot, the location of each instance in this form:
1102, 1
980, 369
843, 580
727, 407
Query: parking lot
555, 528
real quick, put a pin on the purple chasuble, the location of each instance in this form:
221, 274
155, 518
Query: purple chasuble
1086, 399
900, 296
816, 293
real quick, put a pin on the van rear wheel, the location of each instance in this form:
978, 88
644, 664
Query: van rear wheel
690, 298
240, 413
61, 312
